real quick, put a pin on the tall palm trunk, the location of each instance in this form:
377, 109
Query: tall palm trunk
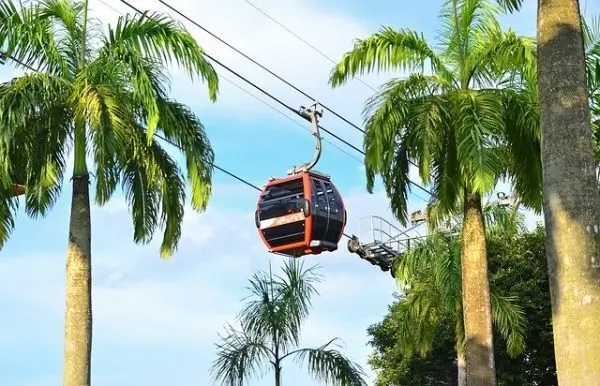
78, 312
477, 312
462, 374
277, 375
571, 202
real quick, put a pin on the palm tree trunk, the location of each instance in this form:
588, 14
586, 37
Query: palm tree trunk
78, 313
571, 202
277, 375
477, 311
462, 374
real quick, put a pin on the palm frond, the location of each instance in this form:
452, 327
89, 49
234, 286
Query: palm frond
45, 147
66, 18
240, 357
28, 34
403, 119
479, 120
152, 180
591, 34
262, 314
509, 318
8, 211
161, 39
278, 305
523, 140
35, 123
331, 366
386, 50
418, 317
181, 126
501, 220
297, 286
447, 177
498, 53
462, 23
510, 5
26, 95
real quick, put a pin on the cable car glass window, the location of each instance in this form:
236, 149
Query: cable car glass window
281, 199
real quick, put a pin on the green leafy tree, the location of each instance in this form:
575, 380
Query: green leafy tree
431, 272
517, 269
466, 116
100, 98
270, 333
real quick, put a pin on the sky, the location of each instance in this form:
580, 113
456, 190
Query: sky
156, 321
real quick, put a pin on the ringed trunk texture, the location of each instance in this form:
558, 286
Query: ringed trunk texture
477, 312
571, 200
78, 310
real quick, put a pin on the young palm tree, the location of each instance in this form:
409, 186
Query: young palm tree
431, 273
463, 130
104, 97
571, 205
270, 333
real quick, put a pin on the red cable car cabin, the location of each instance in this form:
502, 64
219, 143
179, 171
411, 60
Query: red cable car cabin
301, 214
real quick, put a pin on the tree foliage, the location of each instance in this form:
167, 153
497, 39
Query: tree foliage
466, 115
106, 104
517, 269
269, 333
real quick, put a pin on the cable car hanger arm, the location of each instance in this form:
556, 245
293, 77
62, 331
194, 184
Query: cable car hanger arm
312, 115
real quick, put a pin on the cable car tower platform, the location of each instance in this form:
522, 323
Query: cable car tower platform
380, 242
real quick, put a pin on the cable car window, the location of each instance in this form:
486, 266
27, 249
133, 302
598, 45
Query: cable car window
319, 218
321, 197
334, 205
282, 199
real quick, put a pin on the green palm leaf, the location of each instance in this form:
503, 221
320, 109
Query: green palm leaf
386, 50
331, 366
271, 320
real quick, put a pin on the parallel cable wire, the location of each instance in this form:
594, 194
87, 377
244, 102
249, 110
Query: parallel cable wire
240, 179
259, 99
263, 91
307, 95
297, 36
317, 50
250, 83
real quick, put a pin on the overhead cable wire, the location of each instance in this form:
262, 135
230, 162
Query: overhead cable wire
297, 36
288, 107
240, 179
259, 99
316, 49
265, 68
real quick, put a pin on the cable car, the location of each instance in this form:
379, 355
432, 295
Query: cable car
302, 213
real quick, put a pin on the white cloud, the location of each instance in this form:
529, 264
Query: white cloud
143, 304
249, 31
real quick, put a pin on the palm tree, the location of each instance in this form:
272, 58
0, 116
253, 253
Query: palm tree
571, 204
270, 333
431, 273
105, 97
591, 41
466, 117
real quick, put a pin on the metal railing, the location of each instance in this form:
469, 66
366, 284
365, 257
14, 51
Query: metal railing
375, 230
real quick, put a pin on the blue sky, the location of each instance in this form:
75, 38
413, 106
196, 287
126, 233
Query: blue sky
156, 321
